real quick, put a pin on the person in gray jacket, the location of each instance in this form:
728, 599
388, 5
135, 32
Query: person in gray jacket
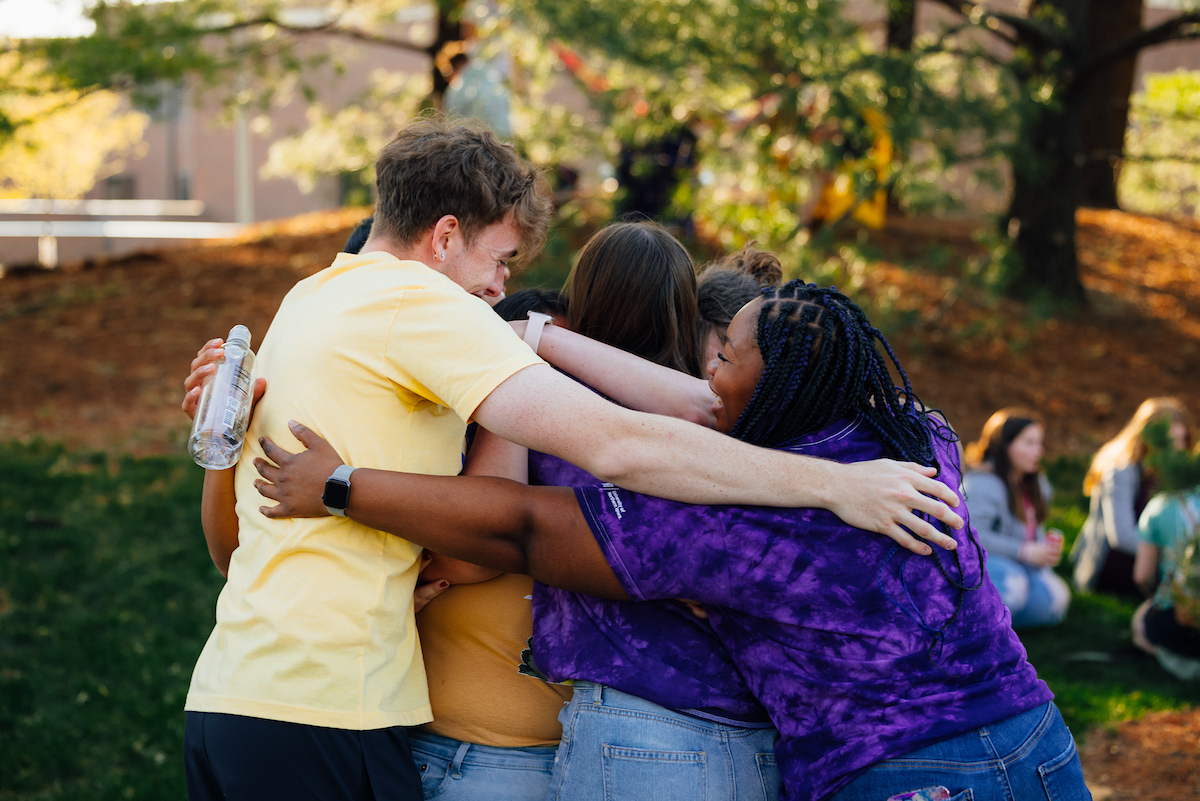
1008, 497
1120, 487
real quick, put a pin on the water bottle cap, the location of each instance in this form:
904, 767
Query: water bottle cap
239, 333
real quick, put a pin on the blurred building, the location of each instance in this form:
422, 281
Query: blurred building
200, 168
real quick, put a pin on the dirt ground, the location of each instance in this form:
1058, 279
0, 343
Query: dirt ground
94, 354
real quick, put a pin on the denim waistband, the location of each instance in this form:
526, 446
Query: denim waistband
1001, 742
456, 750
601, 695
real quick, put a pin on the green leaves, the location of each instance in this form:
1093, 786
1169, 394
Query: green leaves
1177, 470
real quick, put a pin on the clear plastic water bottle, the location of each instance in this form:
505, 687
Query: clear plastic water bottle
219, 428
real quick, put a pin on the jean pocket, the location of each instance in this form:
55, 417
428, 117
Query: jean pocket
1062, 777
630, 772
435, 775
768, 776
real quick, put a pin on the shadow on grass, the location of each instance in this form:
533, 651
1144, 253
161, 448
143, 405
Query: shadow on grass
1098, 676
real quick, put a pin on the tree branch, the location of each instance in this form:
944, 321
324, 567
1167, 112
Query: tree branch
1026, 31
1184, 26
1152, 157
330, 28
966, 55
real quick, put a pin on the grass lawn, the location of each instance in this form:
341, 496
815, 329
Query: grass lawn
107, 595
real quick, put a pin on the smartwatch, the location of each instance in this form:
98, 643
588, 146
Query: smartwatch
533, 331
337, 490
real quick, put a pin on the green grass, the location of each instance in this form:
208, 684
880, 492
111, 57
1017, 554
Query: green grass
1098, 677
107, 595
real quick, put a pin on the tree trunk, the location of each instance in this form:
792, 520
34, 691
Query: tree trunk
449, 29
1046, 173
1106, 104
1045, 196
902, 19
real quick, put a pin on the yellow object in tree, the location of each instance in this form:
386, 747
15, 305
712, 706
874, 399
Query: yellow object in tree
838, 197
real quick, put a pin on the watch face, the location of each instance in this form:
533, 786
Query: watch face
337, 494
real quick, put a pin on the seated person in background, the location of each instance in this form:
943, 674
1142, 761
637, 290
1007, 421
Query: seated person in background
724, 287
1009, 497
884, 671
1160, 627
1120, 484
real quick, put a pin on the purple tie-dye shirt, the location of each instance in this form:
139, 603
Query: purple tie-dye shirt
659, 650
860, 650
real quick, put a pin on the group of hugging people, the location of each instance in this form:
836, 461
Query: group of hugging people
697, 543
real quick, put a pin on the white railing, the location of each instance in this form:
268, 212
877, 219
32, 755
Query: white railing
50, 226
120, 229
104, 208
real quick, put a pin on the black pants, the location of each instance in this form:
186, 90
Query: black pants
251, 759
1163, 630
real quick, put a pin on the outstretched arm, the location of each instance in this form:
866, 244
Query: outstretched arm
630, 380
489, 456
511, 527
669, 458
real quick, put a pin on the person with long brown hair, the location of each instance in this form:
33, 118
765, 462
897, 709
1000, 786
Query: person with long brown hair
1120, 486
1009, 496
653, 322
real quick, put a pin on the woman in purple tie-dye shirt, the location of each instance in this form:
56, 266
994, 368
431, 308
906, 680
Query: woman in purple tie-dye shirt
884, 671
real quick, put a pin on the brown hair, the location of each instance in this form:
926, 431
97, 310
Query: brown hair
634, 287
1128, 447
990, 452
761, 265
434, 168
729, 283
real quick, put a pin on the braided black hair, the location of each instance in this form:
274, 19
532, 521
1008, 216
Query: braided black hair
821, 365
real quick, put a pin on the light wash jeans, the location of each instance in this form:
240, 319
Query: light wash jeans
452, 770
618, 747
1036, 596
1028, 757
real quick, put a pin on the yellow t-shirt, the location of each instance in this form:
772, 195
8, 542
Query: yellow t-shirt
386, 359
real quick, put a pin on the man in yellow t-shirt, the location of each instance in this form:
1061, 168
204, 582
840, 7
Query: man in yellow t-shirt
314, 668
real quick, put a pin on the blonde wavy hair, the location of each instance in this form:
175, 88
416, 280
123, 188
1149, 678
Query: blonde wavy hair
1128, 447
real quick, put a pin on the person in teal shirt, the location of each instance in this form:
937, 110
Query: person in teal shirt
1171, 634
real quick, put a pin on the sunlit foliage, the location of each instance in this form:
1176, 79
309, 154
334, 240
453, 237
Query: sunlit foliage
61, 141
1161, 174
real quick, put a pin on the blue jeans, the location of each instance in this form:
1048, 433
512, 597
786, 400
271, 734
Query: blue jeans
452, 770
1036, 596
619, 747
1028, 757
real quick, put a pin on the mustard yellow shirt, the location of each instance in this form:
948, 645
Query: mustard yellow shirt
388, 360
473, 635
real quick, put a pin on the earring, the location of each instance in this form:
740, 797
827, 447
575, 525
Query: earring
441, 256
